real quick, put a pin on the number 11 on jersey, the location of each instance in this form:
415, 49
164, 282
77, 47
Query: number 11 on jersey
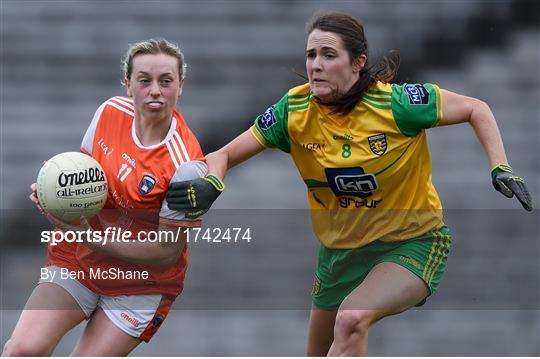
124, 171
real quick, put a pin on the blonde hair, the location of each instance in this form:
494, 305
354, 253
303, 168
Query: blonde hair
152, 46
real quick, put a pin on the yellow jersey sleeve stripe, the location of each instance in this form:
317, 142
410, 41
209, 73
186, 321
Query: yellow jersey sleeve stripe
299, 101
297, 108
439, 106
299, 96
255, 132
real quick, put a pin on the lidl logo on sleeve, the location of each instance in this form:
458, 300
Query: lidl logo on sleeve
418, 95
266, 120
351, 182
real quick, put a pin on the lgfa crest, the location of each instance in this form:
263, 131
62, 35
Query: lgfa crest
147, 184
378, 144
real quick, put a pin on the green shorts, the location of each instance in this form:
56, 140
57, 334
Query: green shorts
340, 271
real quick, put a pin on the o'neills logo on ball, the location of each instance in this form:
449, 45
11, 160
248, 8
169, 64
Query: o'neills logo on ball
74, 178
81, 183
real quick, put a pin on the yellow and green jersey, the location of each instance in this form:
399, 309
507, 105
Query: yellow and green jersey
368, 174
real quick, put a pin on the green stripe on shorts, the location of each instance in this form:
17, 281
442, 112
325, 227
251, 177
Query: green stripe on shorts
340, 271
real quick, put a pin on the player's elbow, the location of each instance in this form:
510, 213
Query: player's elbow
479, 105
481, 114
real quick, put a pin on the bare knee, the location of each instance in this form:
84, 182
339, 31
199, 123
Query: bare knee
26, 347
353, 322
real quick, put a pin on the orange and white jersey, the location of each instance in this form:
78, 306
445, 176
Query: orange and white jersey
138, 177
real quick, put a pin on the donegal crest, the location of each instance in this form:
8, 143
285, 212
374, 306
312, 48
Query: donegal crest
378, 144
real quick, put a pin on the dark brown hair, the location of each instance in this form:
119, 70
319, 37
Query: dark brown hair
351, 32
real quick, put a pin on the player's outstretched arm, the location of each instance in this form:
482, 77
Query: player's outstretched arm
459, 109
235, 152
165, 252
197, 196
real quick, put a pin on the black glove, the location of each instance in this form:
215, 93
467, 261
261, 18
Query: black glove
509, 184
194, 197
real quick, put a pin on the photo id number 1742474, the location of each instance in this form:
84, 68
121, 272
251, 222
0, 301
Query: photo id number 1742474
218, 235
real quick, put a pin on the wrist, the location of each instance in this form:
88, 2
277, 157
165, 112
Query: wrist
501, 167
215, 182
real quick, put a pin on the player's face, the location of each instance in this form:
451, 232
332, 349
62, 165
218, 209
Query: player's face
155, 86
330, 71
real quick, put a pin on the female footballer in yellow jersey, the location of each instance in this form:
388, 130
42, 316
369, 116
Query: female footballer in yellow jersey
360, 145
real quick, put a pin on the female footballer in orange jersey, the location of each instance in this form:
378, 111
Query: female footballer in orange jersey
359, 143
142, 143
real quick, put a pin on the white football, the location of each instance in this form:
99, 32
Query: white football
71, 185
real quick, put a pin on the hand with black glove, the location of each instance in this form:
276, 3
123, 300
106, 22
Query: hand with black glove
506, 182
194, 197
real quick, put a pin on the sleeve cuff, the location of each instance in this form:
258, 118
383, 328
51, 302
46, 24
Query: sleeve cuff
255, 132
439, 106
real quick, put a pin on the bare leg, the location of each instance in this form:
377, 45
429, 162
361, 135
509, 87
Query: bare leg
102, 338
388, 289
49, 314
321, 331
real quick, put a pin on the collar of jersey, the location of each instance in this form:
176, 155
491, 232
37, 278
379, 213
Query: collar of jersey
170, 134
336, 118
